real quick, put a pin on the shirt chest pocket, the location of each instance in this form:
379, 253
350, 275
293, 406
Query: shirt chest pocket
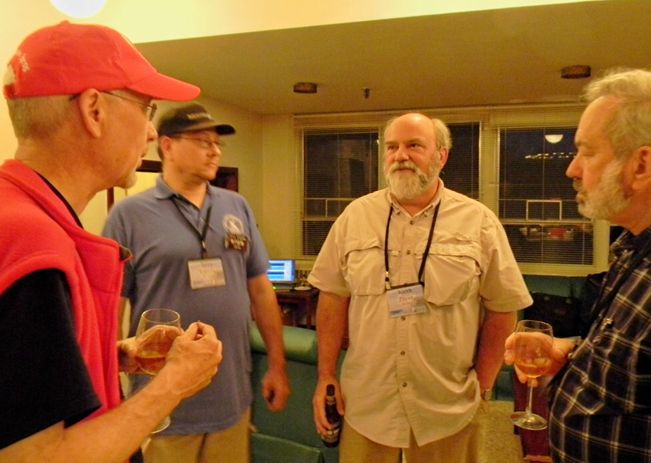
364, 267
451, 274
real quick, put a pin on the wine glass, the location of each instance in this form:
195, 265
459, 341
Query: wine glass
155, 334
533, 344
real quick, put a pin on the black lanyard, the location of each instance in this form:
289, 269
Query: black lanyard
200, 234
421, 271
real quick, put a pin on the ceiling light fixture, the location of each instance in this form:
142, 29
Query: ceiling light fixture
577, 71
79, 8
305, 87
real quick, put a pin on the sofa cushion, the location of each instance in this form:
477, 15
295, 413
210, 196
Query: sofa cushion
300, 344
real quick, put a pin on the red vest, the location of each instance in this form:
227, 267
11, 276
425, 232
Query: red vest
38, 232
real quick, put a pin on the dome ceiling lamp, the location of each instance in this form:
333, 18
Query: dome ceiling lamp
553, 138
79, 8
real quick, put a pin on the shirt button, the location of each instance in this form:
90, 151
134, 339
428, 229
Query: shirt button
411, 222
408, 252
404, 384
403, 318
402, 352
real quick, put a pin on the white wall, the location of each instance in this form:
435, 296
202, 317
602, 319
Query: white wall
280, 221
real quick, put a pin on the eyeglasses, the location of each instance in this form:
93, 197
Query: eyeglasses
204, 143
150, 107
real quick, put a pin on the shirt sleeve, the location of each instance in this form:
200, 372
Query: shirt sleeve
327, 274
258, 261
44, 378
502, 286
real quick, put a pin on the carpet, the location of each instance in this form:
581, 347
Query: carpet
498, 442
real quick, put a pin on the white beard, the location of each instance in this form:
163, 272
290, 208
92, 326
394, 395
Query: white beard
609, 198
409, 185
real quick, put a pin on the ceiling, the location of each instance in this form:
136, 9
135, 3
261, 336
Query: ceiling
497, 57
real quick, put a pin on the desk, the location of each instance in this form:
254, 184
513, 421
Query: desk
298, 304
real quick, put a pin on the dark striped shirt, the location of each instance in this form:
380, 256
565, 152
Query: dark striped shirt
601, 409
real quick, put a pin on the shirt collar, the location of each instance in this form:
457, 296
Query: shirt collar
627, 241
163, 190
62, 198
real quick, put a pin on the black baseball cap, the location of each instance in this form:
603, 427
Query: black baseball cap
190, 118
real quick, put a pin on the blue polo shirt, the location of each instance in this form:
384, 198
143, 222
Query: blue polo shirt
162, 229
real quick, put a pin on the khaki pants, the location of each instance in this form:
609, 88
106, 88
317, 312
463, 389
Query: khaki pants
462, 447
229, 446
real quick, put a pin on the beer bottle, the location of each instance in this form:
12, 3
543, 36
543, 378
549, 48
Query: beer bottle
331, 439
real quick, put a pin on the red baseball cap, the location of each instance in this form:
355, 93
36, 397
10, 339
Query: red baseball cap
67, 59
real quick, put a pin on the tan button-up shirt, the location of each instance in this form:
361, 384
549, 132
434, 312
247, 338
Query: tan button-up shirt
416, 372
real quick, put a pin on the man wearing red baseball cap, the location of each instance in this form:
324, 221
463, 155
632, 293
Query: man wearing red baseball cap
80, 102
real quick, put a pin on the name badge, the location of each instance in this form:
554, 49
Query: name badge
406, 300
206, 273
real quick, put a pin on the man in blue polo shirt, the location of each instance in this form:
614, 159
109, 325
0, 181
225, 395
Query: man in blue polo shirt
197, 250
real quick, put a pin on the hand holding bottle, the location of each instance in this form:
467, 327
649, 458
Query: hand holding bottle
328, 411
331, 437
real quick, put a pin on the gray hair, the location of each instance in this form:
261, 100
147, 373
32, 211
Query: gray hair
441, 132
630, 127
38, 117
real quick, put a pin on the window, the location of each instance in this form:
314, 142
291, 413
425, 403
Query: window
536, 200
461, 172
338, 167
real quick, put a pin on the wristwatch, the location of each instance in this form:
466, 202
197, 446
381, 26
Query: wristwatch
486, 394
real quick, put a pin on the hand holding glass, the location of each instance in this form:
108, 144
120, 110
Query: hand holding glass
533, 342
155, 334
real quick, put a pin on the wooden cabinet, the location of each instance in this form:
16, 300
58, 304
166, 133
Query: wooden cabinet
298, 307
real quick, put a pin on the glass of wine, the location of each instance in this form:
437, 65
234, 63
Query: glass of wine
155, 334
532, 344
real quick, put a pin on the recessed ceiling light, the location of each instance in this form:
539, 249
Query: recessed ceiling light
577, 71
305, 87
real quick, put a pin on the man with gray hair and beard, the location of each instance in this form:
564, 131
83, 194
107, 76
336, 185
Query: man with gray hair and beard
424, 281
601, 407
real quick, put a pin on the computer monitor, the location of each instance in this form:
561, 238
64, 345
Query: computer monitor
282, 272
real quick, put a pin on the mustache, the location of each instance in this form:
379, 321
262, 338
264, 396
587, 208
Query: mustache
403, 165
577, 185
